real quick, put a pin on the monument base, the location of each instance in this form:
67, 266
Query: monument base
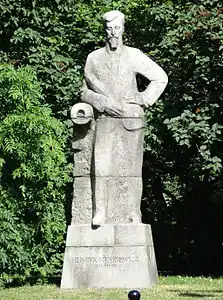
112, 256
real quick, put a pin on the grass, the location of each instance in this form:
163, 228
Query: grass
184, 288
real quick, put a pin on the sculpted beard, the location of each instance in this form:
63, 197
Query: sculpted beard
113, 41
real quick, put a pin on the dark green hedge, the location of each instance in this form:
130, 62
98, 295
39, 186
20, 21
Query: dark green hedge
183, 145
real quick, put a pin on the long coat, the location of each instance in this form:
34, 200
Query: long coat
118, 148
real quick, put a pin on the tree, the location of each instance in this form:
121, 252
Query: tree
33, 174
183, 139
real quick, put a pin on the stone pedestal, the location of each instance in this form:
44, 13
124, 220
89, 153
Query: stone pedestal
111, 256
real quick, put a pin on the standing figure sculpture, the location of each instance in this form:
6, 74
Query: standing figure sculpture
110, 87
117, 251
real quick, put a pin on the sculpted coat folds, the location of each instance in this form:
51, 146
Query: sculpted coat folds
110, 87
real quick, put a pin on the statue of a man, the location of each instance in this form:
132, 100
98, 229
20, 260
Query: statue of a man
110, 87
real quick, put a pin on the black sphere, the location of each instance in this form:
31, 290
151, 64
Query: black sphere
134, 295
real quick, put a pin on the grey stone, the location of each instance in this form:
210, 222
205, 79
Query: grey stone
108, 142
82, 113
82, 201
129, 234
103, 258
110, 87
107, 245
85, 236
83, 138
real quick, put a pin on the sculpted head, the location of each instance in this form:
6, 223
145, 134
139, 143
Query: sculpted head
114, 27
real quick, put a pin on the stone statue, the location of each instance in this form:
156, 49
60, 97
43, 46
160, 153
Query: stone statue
117, 251
110, 87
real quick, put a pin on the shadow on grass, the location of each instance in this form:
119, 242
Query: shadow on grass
202, 291
196, 295
199, 293
212, 291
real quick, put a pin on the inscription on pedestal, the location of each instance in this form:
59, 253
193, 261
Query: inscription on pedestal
105, 261
114, 265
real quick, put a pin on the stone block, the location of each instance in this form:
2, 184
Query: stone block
82, 201
85, 236
132, 235
112, 256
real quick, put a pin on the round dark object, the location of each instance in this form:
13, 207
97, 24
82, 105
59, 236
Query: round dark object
134, 295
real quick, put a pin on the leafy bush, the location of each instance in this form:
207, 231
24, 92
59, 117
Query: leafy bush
183, 140
33, 174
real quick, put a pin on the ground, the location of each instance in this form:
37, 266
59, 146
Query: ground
173, 287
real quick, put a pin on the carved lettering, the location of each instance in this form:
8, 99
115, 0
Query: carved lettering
106, 261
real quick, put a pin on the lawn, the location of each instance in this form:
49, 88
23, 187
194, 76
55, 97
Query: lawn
185, 288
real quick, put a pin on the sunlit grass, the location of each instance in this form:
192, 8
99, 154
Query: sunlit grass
173, 287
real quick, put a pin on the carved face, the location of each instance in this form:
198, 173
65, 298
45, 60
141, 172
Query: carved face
114, 30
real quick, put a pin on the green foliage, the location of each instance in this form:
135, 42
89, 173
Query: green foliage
183, 157
183, 138
34, 172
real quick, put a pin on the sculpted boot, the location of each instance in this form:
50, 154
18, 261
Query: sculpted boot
99, 218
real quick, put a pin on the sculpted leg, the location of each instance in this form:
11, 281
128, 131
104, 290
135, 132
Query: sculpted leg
135, 200
135, 143
100, 201
102, 169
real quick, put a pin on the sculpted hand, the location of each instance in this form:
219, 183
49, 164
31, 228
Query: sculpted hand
113, 110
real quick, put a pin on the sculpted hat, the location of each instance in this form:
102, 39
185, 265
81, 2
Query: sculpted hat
81, 113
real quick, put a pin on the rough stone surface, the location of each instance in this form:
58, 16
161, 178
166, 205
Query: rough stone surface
107, 245
110, 87
112, 256
83, 139
120, 203
108, 142
82, 201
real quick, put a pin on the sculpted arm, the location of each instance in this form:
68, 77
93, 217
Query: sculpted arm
155, 74
93, 92
94, 99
